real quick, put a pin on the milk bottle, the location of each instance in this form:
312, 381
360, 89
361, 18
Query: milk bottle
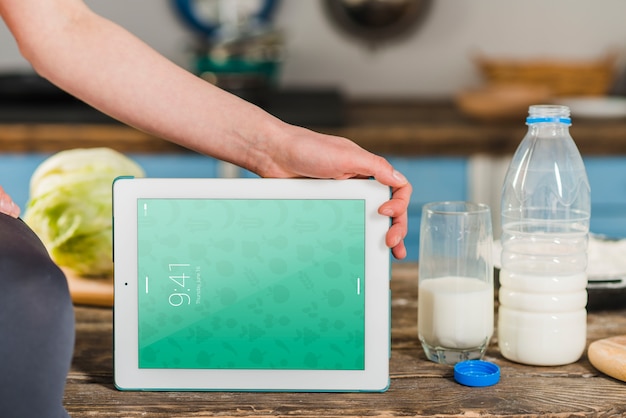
545, 223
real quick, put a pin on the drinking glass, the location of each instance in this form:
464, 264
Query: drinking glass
455, 297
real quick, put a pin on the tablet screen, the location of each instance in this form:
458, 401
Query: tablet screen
251, 284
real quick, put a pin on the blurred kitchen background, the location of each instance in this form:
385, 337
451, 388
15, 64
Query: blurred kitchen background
419, 91
434, 60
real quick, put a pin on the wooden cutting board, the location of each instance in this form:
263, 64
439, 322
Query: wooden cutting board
90, 291
609, 356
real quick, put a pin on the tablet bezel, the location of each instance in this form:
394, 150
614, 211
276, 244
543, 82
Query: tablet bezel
127, 374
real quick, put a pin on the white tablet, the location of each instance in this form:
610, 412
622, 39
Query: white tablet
251, 284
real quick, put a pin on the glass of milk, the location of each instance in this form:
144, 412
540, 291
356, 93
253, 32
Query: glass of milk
455, 317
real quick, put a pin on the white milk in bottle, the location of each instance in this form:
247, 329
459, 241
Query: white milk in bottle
546, 206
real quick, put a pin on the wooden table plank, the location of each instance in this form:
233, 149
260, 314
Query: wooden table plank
418, 386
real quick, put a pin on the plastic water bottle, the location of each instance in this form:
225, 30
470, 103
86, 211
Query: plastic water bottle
546, 206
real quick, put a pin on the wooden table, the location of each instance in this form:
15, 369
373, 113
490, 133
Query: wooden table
418, 386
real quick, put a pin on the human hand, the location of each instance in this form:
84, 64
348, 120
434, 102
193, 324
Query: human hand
304, 153
7, 206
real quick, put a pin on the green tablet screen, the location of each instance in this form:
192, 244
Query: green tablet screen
251, 284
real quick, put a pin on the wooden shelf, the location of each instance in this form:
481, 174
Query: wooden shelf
403, 128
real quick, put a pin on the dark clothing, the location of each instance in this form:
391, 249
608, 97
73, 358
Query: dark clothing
36, 326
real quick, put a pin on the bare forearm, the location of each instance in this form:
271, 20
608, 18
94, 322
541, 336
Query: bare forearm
107, 67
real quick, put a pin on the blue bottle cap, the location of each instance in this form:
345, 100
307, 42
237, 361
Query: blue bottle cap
476, 373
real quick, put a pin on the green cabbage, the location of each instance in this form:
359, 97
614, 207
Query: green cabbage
70, 207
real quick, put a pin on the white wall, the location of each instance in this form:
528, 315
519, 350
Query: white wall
434, 62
